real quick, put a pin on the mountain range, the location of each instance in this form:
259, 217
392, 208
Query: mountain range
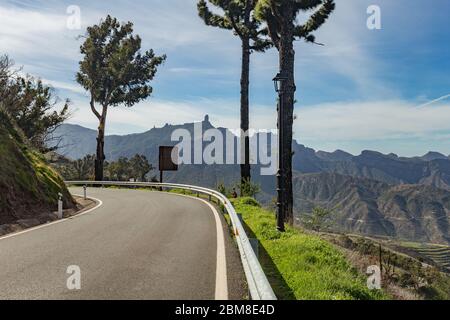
371, 193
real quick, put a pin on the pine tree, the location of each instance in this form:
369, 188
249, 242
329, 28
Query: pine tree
32, 105
114, 72
283, 28
238, 16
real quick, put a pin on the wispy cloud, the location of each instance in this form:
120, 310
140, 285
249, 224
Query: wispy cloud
60, 85
23, 32
190, 71
158, 112
371, 120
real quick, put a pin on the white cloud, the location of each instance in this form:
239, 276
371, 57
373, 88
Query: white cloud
341, 121
190, 71
347, 51
72, 87
156, 112
371, 121
25, 32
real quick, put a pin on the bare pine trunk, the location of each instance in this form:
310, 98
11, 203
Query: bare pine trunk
287, 57
245, 143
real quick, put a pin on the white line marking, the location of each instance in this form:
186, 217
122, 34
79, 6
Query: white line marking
221, 260
221, 266
99, 204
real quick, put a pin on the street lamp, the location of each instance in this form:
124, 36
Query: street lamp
279, 88
278, 82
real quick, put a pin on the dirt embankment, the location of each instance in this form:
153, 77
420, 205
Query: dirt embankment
29, 188
81, 205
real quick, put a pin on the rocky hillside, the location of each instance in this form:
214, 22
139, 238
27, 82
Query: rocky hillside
430, 169
28, 186
369, 207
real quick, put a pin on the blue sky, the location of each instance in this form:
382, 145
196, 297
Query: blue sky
365, 89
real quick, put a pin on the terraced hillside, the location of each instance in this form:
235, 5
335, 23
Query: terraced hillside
417, 213
439, 254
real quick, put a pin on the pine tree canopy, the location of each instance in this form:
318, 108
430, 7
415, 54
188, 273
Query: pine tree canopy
113, 69
272, 11
237, 16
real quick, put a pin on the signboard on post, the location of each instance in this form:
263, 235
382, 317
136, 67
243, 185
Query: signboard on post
166, 161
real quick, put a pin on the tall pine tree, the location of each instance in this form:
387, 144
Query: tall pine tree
238, 16
284, 29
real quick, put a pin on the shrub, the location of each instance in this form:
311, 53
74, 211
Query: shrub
248, 189
318, 220
222, 189
250, 201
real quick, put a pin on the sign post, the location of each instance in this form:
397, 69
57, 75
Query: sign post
60, 206
168, 160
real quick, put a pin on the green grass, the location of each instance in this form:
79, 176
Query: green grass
299, 265
25, 176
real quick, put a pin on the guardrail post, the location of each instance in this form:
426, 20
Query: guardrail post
60, 206
239, 215
209, 198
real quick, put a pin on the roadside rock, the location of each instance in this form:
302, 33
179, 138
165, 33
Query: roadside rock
28, 223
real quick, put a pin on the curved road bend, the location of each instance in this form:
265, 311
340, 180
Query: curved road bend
136, 245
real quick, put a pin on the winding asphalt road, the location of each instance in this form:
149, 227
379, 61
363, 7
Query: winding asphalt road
135, 245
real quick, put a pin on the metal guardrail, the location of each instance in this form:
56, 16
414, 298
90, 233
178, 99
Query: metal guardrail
258, 284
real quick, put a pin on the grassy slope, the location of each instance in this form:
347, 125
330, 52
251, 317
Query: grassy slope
299, 265
28, 186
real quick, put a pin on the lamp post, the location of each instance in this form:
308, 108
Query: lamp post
279, 88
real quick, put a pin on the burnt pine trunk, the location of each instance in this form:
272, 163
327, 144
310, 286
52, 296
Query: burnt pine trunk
245, 80
245, 143
287, 58
100, 154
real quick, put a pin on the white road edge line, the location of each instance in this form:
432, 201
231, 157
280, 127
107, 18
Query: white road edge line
221, 267
99, 204
221, 260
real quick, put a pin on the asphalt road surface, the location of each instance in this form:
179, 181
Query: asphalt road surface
135, 245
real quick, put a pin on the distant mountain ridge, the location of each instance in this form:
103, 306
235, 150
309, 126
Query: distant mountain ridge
431, 169
376, 194
369, 207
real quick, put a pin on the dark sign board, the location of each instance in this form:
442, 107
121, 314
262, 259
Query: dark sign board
165, 158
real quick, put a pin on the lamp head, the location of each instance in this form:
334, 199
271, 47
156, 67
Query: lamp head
278, 82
